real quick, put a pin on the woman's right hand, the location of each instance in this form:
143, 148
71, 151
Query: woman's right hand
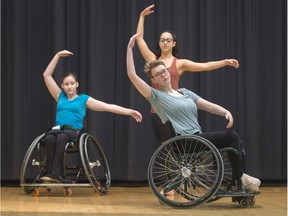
64, 53
52, 86
148, 10
132, 40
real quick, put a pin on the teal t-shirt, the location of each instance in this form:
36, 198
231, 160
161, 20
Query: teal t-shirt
71, 112
180, 111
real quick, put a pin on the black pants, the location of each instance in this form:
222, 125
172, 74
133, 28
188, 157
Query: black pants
55, 142
220, 139
224, 139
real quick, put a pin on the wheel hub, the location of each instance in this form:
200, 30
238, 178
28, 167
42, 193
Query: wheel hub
186, 172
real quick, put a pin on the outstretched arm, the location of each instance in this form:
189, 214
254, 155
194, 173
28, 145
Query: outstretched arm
100, 106
215, 109
187, 65
140, 84
52, 86
147, 54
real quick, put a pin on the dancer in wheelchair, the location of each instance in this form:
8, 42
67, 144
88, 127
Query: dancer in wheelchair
166, 51
180, 108
71, 111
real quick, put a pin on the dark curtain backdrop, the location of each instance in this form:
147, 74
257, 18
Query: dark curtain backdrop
97, 31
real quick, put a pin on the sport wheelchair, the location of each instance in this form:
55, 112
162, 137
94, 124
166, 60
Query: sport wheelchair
90, 166
195, 171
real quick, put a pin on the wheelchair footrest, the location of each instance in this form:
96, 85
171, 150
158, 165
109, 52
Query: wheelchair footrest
235, 193
57, 185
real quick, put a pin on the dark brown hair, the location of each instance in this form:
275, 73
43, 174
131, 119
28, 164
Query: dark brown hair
70, 74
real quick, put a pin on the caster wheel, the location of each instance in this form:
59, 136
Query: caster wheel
36, 192
48, 190
244, 202
251, 201
29, 190
67, 192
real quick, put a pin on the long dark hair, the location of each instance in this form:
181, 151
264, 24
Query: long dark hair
174, 50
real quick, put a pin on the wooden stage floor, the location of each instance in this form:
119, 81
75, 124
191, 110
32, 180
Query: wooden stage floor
130, 200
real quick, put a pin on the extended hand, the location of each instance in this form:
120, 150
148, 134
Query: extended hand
230, 119
64, 53
136, 115
132, 40
233, 63
147, 10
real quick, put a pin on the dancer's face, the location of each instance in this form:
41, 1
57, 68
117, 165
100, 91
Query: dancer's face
160, 75
70, 85
166, 41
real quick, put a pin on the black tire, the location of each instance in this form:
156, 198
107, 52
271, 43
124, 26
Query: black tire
33, 165
191, 166
95, 163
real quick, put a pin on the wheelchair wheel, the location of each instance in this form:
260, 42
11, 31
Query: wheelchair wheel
34, 165
95, 163
188, 167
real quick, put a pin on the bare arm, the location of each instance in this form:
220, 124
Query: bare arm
187, 65
147, 54
100, 106
52, 86
140, 84
215, 109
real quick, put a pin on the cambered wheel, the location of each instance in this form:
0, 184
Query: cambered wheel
190, 166
95, 163
34, 164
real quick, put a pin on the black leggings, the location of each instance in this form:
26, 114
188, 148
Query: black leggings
55, 142
220, 139
224, 139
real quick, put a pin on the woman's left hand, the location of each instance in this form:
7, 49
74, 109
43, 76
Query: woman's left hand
232, 63
230, 119
136, 115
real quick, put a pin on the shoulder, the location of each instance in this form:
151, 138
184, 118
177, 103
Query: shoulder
184, 62
84, 97
62, 95
183, 65
189, 93
156, 93
184, 90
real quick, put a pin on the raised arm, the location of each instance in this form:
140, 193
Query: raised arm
147, 54
140, 84
215, 109
52, 86
100, 106
190, 66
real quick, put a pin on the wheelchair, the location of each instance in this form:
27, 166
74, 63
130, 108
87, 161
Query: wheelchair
195, 171
84, 163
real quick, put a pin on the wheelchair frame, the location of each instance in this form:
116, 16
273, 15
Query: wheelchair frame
196, 171
93, 171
